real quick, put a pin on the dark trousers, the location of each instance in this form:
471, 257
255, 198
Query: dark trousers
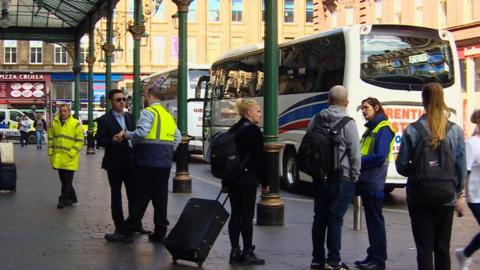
151, 185
331, 203
432, 228
377, 251
68, 193
242, 203
23, 138
116, 178
475, 243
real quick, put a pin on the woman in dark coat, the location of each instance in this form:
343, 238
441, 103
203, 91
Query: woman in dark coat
243, 189
376, 144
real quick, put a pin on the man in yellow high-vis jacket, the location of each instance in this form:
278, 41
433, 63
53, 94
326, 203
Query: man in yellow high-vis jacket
155, 139
65, 141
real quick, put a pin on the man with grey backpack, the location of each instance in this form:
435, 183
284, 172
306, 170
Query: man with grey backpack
334, 191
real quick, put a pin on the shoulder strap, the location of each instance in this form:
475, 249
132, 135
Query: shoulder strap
420, 129
341, 123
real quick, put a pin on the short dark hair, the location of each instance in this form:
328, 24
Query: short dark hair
112, 93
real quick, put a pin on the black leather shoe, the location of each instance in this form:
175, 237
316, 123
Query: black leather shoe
373, 266
140, 230
156, 237
249, 257
236, 256
117, 237
362, 262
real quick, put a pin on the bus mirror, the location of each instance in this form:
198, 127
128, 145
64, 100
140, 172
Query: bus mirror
198, 88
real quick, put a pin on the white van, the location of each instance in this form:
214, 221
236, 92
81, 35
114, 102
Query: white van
9, 125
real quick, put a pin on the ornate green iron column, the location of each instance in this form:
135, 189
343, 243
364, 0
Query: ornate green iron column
182, 182
270, 209
90, 61
77, 68
108, 48
137, 31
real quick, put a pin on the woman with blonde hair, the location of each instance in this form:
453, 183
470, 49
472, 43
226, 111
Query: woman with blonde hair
432, 156
242, 190
472, 187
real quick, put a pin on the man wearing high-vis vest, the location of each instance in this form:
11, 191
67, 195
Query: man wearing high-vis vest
65, 140
155, 139
376, 144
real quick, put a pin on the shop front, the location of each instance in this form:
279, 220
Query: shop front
24, 91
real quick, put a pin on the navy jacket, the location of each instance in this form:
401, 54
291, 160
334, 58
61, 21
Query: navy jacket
374, 168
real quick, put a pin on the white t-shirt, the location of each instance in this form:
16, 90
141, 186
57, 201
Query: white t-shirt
472, 186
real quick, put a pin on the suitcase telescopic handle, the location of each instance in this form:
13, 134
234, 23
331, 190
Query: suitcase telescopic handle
218, 197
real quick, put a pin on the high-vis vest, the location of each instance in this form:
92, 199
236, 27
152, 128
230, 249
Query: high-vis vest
368, 139
65, 143
156, 149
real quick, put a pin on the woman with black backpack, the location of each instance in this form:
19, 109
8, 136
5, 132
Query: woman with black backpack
432, 156
376, 144
243, 189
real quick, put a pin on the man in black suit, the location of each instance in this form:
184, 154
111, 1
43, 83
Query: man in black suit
117, 161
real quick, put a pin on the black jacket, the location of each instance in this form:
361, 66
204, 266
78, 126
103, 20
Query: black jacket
250, 140
116, 154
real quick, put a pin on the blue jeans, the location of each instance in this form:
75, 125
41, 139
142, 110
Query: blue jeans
475, 243
331, 204
39, 134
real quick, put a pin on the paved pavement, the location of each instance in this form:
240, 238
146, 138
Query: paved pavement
36, 235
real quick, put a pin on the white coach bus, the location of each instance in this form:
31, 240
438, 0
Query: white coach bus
168, 82
388, 62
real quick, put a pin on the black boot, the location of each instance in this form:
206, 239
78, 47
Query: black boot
236, 256
249, 257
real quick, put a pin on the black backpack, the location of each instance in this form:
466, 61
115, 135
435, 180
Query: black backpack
433, 176
224, 158
318, 152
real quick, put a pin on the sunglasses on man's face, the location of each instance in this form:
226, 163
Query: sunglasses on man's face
120, 99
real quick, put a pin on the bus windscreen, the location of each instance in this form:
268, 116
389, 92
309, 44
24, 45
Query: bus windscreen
403, 62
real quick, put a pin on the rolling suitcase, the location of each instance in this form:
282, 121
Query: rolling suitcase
197, 229
8, 177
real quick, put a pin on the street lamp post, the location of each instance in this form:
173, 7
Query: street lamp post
182, 182
137, 30
270, 209
108, 48
90, 59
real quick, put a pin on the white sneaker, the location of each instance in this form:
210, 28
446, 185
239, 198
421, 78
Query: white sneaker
463, 260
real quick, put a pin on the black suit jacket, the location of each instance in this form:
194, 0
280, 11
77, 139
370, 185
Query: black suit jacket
117, 155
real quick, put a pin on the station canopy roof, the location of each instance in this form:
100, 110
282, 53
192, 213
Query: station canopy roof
49, 20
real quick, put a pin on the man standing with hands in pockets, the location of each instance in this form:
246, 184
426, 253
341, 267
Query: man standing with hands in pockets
155, 140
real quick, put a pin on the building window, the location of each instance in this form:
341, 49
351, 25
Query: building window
129, 49
60, 54
288, 11
378, 11
192, 50
333, 19
309, 11
158, 50
237, 9
213, 10
10, 51
192, 11
263, 10
36, 52
160, 14
442, 14
398, 12
419, 12
349, 15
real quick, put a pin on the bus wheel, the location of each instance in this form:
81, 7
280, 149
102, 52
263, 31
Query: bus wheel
31, 138
290, 170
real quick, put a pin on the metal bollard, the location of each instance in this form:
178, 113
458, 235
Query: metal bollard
357, 213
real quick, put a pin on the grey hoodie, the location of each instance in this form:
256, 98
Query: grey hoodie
350, 141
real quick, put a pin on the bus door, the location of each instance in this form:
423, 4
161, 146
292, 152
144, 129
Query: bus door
204, 86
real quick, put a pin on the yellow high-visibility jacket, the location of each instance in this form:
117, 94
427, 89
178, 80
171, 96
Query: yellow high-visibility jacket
65, 143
